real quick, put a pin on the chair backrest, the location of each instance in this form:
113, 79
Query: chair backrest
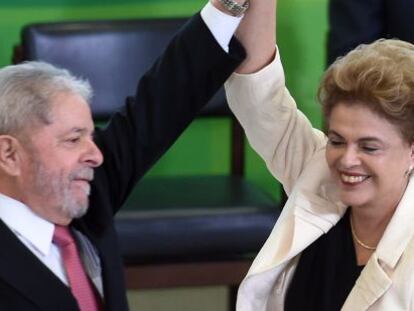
113, 55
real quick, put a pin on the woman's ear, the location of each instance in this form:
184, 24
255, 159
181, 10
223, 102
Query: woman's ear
412, 154
10, 156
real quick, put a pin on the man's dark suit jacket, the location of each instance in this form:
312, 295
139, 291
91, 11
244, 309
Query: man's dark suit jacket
352, 22
168, 97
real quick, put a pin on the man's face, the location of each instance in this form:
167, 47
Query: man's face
59, 161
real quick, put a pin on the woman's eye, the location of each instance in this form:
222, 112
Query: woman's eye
369, 148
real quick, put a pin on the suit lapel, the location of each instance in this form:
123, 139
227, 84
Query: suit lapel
27, 274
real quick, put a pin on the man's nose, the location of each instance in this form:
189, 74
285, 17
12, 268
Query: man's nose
93, 156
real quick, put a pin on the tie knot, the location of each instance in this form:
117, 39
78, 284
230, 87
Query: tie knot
62, 236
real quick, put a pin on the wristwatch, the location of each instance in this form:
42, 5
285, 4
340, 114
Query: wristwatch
234, 8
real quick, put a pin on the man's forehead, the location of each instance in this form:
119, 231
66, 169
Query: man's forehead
69, 107
65, 118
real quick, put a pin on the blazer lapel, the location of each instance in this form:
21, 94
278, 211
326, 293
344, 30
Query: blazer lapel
370, 286
305, 217
27, 274
374, 281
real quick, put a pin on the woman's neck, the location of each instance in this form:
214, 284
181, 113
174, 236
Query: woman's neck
368, 226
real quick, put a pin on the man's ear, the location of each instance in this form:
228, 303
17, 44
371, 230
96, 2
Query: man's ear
10, 157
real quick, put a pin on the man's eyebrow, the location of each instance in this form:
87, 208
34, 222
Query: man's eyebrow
78, 130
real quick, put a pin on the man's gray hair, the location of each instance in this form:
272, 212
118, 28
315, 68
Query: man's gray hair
27, 91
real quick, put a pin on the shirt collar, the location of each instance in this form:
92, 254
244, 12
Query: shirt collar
25, 223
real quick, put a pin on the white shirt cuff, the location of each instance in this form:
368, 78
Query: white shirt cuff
221, 25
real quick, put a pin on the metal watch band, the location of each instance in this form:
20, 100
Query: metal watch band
235, 8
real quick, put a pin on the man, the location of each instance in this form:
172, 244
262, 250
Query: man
51, 160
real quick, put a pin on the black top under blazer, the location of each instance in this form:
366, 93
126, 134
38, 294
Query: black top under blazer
168, 97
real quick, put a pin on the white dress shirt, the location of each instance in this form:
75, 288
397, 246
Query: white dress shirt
221, 25
34, 232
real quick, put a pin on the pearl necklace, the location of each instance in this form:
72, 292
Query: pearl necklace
371, 248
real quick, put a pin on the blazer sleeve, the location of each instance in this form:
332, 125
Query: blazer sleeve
168, 97
275, 128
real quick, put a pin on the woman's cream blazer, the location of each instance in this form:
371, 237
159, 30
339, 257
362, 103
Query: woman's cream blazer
294, 152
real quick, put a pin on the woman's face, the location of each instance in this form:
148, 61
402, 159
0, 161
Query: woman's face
367, 157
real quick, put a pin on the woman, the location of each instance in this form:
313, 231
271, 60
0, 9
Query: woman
345, 238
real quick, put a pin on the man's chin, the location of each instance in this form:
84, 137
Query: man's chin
77, 209
80, 212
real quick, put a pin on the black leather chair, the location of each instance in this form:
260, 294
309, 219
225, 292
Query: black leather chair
174, 231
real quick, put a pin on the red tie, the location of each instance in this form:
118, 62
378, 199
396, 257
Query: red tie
79, 282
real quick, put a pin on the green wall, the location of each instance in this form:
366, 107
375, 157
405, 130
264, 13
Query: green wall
203, 148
